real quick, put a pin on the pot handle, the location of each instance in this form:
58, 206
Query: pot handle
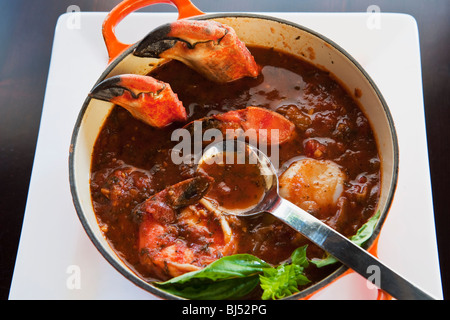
185, 10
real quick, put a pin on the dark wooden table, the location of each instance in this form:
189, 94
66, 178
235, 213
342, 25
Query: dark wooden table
26, 35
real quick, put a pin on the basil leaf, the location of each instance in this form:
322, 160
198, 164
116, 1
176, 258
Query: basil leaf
365, 232
362, 235
229, 277
299, 258
233, 288
238, 265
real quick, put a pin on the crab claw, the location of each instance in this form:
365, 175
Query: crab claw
209, 47
178, 234
268, 127
146, 98
164, 204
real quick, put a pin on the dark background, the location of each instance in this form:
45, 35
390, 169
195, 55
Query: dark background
26, 37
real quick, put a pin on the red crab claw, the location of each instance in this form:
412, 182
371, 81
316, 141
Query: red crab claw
163, 205
209, 47
146, 98
270, 127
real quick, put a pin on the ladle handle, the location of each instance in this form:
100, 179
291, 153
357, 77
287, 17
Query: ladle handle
350, 254
113, 45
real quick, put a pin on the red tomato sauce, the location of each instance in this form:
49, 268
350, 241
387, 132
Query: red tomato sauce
131, 160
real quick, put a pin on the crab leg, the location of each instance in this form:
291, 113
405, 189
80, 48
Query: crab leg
177, 234
146, 98
269, 126
209, 47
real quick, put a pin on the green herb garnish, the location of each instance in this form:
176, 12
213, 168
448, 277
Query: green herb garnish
284, 280
230, 277
235, 276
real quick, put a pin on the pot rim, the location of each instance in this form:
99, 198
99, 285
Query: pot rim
137, 280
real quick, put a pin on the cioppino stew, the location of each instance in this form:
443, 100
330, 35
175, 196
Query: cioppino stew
164, 218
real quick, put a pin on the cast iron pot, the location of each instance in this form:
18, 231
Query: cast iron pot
252, 29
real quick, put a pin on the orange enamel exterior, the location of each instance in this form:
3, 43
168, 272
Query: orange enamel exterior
113, 45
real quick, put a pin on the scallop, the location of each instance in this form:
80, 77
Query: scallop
312, 184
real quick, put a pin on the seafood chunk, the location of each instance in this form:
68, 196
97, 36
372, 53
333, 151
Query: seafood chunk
312, 184
179, 235
125, 184
209, 47
265, 126
146, 98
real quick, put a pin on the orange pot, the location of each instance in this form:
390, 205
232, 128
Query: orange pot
252, 29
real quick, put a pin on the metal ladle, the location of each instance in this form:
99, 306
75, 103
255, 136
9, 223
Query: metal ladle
343, 249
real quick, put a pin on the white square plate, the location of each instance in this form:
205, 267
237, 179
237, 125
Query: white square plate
56, 260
